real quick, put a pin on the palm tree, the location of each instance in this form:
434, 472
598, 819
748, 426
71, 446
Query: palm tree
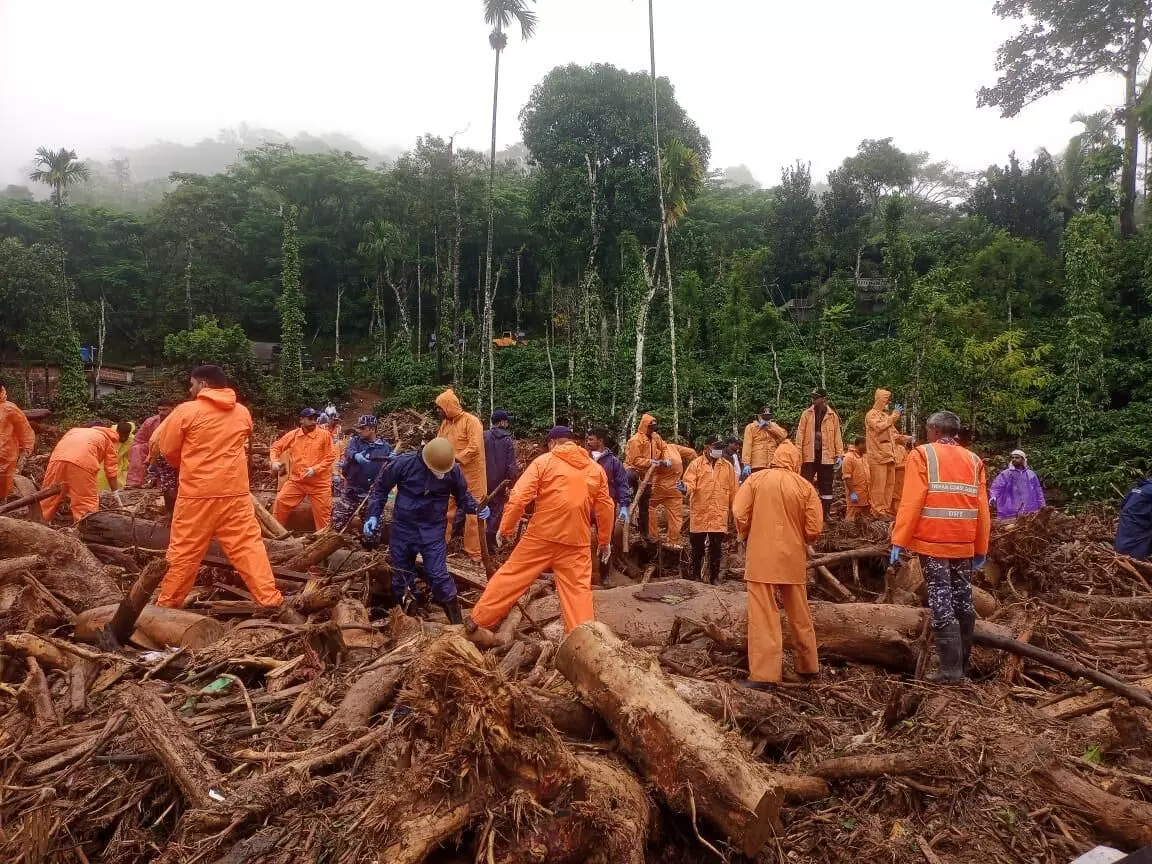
60, 170
500, 15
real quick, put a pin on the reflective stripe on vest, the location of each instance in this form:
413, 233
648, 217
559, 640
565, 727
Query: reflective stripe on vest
945, 513
934, 483
950, 513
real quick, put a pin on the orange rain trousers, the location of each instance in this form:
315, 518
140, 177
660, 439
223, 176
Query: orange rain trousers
673, 503
572, 566
765, 639
881, 485
79, 485
293, 493
232, 521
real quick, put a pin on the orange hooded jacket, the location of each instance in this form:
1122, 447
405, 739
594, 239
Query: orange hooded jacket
944, 507
761, 443
642, 451
89, 448
314, 449
831, 437
879, 431
466, 433
205, 440
570, 491
15, 436
856, 477
711, 489
778, 513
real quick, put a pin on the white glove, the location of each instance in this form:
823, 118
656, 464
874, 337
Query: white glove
605, 553
500, 541
311, 472
119, 498
276, 467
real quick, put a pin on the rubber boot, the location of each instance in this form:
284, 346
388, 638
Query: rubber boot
453, 611
951, 653
826, 506
967, 628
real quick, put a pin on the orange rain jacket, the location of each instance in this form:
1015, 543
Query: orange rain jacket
306, 450
856, 477
760, 444
15, 436
944, 507
778, 513
711, 488
900, 450
89, 448
879, 431
466, 433
831, 437
642, 451
205, 440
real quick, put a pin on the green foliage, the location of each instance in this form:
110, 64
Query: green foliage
226, 347
291, 305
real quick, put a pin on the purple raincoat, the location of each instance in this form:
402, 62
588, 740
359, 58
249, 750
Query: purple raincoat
1016, 491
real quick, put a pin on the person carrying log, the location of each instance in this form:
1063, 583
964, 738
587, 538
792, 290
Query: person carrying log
206, 440
363, 460
75, 464
424, 481
761, 438
311, 456
465, 432
141, 444
16, 441
944, 519
879, 429
645, 450
499, 465
570, 492
599, 443
777, 515
821, 443
711, 486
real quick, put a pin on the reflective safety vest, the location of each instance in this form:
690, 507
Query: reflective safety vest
952, 505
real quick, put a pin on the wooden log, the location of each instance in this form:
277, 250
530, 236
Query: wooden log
1120, 820
119, 628
23, 487
19, 564
830, 558
367, 696
634, 513
748, 711
80, 678
317, 553
30, 499
831, 582
169, 739
273, 529
697, 768
853, 767
521, 655
32, 646
123, 531
115, 557
1087, 703
1135, 695
570, 717
36, 696
1103, 605
156, 627
361, 644
430, 823
70, 571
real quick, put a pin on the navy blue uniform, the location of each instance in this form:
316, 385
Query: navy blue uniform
419, 520
1134, 530
358, 478
500, 462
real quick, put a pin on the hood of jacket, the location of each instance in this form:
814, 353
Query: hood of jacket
645, 424
449, 404
786, 457
882, 398
223, 398
500, 432
573, 454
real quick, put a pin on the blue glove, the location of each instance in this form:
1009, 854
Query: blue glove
484, 513
895, 556
839, 462
854, 498
745, 472
898, 407
370, 526
362, 458
624, 513
681, 488
978, 562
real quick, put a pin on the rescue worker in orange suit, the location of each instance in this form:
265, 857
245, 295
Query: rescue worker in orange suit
75, 463
16, 441
944, 519
880, 431
902, 444
206, 441
778, 514
821, 443
466, 433
644, 450
668, 492
711, 485
856, 480
761, 437
570, 492
311, 455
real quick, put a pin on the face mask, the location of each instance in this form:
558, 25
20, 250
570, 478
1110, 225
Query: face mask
761, 422
596, 454
715, 454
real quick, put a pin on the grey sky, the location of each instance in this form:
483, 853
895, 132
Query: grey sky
768, 81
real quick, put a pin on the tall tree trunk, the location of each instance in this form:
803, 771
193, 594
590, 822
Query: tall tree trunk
339, 297
491, 228
652, 279
101, 335
405, 324
548, 350
519, 291
459, 235
419, 298
439, 307
188, 287
1131, 132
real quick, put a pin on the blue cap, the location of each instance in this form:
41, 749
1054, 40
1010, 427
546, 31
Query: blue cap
500, 415
323, 421
309, 412
367, 420
561, 432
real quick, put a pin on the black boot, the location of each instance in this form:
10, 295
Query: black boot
951, 654
967, 628
826, 506
452, 610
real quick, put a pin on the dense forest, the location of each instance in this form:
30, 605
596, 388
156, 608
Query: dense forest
1018, 296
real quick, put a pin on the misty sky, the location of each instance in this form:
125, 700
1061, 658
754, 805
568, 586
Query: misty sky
768, 81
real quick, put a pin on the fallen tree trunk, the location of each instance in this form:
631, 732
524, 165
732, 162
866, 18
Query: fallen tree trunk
31, 645
853, 767
1119, 819
361, 644
830, 558
121, 530
119, 628
156, 627
367, 695
1087, 703
20, 564
1104, 605
69, 570
697, 768
31, 498
268, 522
1136, 695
